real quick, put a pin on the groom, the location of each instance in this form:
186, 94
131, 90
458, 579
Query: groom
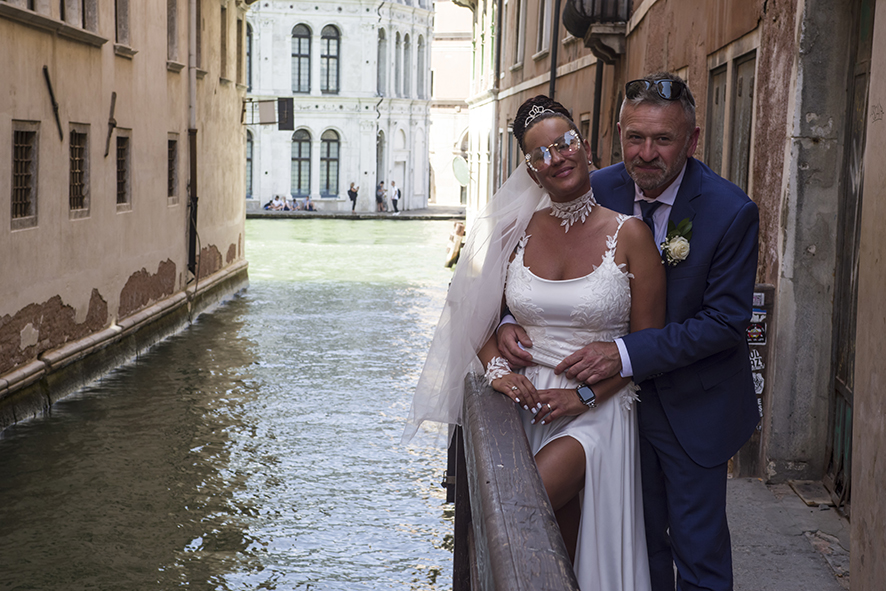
697, 397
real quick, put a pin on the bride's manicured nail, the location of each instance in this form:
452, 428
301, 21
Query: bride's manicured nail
516, 400
534, 410
525, 407
542, 422
539, 406
532, 422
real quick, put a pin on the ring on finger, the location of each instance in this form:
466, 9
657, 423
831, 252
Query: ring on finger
549, 406
514, 388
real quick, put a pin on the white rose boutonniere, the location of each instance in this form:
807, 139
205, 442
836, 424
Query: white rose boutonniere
675, 247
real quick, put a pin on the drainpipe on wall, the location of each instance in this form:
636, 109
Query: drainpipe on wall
555, 42
192, 137
496, 165
595, 118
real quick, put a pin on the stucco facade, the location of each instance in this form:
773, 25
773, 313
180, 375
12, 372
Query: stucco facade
357, 73
451, 56
95, 231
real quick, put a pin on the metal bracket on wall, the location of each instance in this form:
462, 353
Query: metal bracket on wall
112, 123
58, 122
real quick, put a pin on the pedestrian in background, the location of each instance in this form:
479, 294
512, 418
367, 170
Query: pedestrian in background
380, 197
352, 195
395, 196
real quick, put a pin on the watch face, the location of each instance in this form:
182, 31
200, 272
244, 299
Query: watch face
586, 394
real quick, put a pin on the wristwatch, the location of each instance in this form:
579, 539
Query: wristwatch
586, 395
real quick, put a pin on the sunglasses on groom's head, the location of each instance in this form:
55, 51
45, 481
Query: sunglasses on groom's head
669, 90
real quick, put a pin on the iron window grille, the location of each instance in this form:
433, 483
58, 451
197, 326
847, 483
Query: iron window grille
122, 170
77, 178
24, 169
171, 168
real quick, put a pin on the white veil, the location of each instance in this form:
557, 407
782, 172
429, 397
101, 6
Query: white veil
473, 304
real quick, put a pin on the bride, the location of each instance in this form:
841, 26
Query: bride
571, 272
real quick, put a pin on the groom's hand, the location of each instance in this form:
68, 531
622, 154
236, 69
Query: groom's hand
510, 337
595, 362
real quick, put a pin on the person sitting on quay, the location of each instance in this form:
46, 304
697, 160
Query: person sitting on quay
277, 204
309, 204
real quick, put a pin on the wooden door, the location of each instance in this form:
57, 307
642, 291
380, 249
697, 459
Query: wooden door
838, 476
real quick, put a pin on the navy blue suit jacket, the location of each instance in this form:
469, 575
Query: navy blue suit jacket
699, 361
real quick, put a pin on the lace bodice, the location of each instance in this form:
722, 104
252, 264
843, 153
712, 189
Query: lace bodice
563, 316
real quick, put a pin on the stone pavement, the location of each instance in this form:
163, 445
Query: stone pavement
781, 544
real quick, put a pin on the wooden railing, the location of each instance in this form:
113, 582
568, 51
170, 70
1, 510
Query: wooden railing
506, 535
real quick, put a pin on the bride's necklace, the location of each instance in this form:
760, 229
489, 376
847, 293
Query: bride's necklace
571, 211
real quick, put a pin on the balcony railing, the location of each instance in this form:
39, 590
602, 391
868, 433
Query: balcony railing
506, 535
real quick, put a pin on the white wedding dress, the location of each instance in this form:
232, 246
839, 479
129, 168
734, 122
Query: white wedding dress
561, 317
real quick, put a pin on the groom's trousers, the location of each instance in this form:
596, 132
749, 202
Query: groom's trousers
684, 506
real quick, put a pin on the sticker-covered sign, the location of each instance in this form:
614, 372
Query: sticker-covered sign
759, 299
759, 383
757, 333
757, 363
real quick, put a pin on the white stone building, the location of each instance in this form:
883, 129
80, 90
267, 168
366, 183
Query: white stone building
357, 72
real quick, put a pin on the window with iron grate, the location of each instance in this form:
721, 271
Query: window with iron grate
172, 167
77, 176
24, 174
123, 173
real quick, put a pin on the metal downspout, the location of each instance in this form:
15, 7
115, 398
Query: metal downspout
192, 137
496, 165
555, 42
595, 119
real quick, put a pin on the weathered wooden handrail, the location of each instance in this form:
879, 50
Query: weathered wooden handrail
506, 535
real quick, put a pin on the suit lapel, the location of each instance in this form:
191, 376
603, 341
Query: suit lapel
622, 199
690, 188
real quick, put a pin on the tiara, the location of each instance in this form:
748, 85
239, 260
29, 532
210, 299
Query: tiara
534, 112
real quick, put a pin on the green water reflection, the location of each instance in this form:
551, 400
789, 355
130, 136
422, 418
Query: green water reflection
258, 449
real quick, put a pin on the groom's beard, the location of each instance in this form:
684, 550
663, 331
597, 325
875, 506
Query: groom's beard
651, 180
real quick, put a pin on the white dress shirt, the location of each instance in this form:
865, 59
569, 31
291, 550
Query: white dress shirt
660, 221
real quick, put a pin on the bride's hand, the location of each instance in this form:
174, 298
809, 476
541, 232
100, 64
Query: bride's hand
556, 403
519, 389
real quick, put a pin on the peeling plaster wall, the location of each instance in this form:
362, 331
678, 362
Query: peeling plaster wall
70, 276
40, 327
868, 555
797, 425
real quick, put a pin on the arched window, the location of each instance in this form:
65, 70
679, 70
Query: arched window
248, 164
248, 57
329, 151
420, 68
382, 62
398, 60
330, 44
301, 163
301, 59
407, 66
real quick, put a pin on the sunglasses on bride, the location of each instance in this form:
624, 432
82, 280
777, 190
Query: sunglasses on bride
540, 158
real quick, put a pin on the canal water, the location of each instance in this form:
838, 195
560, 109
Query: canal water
259, 448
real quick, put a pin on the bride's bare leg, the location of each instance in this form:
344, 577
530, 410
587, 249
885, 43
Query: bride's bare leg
568, 519
561, 464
